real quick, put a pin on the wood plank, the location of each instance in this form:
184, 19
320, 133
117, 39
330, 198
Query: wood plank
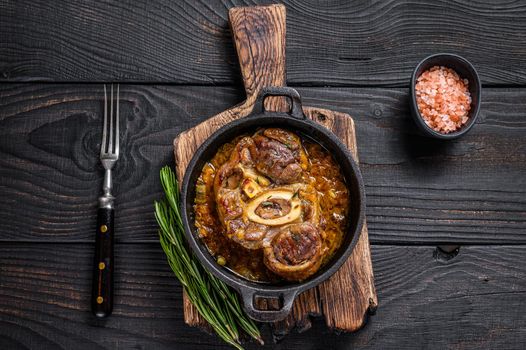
474, 300
418, 190
188, 42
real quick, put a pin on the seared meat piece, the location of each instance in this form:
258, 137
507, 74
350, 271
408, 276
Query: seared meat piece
250, 235
289, 139
279, 155
269, 196
295, 252
228, 206
230, 193
281, 219
229, 178
228, 196
244, 152
296, 246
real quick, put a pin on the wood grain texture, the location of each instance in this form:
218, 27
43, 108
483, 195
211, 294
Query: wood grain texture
469, 191
418, 191
333, 42
474, 300
259, 34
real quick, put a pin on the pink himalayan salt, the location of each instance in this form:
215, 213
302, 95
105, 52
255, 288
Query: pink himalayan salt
443, 99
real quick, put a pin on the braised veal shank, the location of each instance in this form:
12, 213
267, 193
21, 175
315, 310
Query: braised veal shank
272, 205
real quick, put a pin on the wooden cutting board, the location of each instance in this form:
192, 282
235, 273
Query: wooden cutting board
345, 299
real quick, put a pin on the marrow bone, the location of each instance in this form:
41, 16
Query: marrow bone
270, 198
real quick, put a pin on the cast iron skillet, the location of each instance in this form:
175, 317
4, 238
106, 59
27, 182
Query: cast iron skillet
297, 122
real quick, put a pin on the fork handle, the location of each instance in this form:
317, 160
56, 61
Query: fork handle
102, 289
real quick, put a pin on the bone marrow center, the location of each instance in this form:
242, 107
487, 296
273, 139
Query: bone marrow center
274, 208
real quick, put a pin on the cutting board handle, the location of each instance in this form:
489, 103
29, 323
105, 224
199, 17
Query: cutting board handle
259, 35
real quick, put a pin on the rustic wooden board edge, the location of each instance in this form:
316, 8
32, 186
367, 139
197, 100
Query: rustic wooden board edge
338, 316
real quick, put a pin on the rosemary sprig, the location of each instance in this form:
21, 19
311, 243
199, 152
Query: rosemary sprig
216, 302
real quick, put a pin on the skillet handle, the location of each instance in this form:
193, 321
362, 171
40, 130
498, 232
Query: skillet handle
248, 296
296, 109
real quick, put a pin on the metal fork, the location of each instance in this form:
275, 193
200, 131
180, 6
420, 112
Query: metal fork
102, 290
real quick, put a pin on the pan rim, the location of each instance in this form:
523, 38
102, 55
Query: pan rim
231, 278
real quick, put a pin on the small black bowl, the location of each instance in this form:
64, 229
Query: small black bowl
466, 71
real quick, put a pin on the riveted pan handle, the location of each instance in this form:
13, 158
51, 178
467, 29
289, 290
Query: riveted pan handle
287, 298
296, 109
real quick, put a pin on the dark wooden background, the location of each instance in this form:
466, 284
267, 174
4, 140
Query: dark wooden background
447, 221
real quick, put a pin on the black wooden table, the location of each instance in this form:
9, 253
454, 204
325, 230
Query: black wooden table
447, 221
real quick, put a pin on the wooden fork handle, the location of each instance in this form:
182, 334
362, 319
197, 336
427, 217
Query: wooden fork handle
102, 289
